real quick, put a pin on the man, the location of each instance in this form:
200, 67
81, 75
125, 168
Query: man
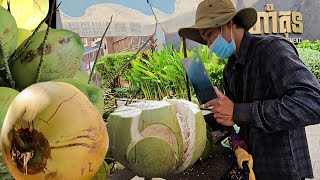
269, 92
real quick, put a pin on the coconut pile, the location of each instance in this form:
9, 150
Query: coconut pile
50, 113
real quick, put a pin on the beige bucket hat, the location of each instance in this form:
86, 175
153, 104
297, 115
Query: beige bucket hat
215, 13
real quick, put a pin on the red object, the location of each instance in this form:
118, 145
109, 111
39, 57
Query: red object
236, 142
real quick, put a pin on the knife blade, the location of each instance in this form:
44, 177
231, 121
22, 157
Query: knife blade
199, 78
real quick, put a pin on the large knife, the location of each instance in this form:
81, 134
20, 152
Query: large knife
202, 86
199, 78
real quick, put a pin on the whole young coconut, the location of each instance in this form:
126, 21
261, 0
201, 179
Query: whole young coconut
6, 97
94, 93
52, 131
8, 35
62, 53
157, 138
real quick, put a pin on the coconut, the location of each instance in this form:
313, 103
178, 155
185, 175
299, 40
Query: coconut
6, 97
53, 131
157, 138
63, 51
23, 34
94, 93
80, 75
29, 13
8, 35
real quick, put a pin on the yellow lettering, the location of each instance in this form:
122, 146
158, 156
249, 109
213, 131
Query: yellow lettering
285, 21
297, 26
269, 7
257, 27
274, 21
266, 29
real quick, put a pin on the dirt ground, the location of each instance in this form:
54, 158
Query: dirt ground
219, 163
213, 168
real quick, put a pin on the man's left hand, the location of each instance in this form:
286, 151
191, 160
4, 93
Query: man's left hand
222, 108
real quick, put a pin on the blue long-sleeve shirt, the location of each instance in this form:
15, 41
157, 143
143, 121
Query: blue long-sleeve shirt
275, 97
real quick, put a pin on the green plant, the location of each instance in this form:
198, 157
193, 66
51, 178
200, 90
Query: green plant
121, 92
316, 45
111, 64
311, 59
4, 172
307, 44
304, 44
160, 74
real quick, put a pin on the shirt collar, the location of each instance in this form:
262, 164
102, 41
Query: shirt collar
244, 46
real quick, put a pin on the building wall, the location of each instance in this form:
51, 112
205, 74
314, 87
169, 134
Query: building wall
307, 8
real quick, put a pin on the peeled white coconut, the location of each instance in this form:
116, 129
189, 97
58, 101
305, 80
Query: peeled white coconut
157, 138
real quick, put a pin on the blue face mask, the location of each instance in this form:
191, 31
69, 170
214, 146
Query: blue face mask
222, 48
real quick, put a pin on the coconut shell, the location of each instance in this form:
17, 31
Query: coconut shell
8, 35
6, 97
63, 51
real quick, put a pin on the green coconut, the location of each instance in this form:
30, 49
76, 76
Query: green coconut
8, 35
80, 75
209, 146
94, 93
157, 138
63, 52
23, 34
6, 97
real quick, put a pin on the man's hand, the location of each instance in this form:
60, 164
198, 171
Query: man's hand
222, 108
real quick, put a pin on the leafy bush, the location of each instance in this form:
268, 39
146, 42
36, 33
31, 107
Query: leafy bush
158, 75
109, 65
311, 59
121, 92
161, 74
307, 44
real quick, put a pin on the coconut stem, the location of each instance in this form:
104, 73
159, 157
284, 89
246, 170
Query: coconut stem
42, 46
6, 67
9, 75
95, 61
8, 5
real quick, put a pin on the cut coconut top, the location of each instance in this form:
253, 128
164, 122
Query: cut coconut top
137, 107
149, 104
125, 111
